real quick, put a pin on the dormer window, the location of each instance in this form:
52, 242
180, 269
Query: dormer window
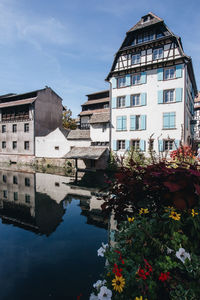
146, 19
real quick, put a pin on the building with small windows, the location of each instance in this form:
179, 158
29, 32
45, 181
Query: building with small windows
22, 118
152, 87
197, 120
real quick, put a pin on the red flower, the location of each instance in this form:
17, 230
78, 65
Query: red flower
143, 273
117, 271
164, 276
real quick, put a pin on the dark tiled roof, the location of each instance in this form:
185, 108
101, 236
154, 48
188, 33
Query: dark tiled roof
64, 131
86, 152
78, 134
100, 92
18, 102
139, 25
106, 100
90, 112
100, 118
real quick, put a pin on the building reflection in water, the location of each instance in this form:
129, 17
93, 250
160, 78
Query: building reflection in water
38, 201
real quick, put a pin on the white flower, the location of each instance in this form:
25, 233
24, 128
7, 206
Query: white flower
93, 297
102, 250
169, 251
182, 255
105, 293
99, 283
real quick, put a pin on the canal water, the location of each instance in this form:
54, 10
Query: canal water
50, 231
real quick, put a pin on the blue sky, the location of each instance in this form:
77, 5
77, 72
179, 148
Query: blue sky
70, 45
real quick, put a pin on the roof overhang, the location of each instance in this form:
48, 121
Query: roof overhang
18, 102
86, 153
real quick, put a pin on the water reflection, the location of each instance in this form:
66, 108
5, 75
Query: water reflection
38, 201
51, 249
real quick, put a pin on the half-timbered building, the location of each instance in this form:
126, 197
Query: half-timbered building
152, 88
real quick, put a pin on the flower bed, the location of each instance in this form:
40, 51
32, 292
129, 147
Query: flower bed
156, 253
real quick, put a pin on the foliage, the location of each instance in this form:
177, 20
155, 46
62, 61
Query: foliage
134, 155
112, 162
183, 154
155, 253
67, 120
153, 186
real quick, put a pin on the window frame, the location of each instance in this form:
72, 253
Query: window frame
119, 101
3, 144
26, 127
134, 95
167, 142
169, 91
27, 181
14, 145
135, 141
3, 128
14, 128
123, 78
15, 180
164, 115
157, 49
174, 74
136, 60
137, 82
121, 145
25, 145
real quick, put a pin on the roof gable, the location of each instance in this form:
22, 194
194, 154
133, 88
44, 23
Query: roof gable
146, 21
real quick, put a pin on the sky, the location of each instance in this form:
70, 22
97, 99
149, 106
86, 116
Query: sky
70, 45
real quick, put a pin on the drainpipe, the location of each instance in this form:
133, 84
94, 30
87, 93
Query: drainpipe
110, 124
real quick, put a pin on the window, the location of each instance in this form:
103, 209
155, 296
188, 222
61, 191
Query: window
157, 53
136, 79
27, 198
15, 196
3, 145
136, 100
168, 145
57, 184
135, 144
27, 181
26, 127
4, 178
3, 128
169, 120
14, 145
104, 126
121, 145
145, 37
56, 147
121, 82
169, 73
159, 35
26, 145
15, 181
135, 59
169, 96
121, 123
137, 122
14, 128
151, 144
106, 105
5, 194
121, 101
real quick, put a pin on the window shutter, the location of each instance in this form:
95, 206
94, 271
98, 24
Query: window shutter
143, 77
166, 120
114, 145
128, 79
127, 144
119, 123
160, 146
160, 97
114, 102
124, 123
176, 144
172, 120
160, 74
142, 145
114, 82
179, 92
143, 98
133, 120
178, 71
128, 100
143, 122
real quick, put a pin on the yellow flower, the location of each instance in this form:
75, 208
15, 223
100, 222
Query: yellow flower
118, 283
175, 216
193, 213
143, 211
169, 208
140, 298
131, 219
108, 274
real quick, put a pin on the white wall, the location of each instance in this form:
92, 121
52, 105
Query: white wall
97, 134
153, 110
45, 146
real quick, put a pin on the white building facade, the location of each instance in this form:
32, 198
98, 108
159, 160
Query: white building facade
153, 89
